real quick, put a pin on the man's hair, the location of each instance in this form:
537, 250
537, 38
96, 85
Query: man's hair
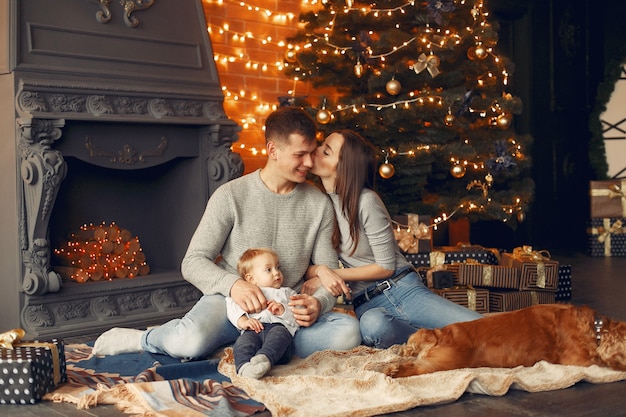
288, 120
246, 260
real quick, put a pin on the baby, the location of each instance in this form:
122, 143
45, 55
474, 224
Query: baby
266, 337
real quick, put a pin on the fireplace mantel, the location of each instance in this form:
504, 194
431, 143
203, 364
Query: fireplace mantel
113, 97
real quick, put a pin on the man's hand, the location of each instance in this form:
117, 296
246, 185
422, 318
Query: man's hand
248, 296
306, 309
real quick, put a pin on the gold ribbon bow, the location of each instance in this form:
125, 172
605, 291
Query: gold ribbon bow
609, 229
408, 235
429, 62
437, 258
533, 255
605, 232
527, 253
8, 338
11, 340
612, 191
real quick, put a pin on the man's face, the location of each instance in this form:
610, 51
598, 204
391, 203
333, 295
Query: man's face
295, 159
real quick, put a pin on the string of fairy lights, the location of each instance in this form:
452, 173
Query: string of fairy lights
430, 39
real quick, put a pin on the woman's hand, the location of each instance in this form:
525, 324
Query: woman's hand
333, 283
310, 286
305, 308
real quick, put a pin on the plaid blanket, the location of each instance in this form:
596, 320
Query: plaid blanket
151, 385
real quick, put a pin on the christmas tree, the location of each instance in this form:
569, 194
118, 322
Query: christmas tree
421, 80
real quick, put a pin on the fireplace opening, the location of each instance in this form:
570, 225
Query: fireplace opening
146, 183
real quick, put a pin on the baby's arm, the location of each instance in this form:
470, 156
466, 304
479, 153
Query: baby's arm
275, 308
249, 323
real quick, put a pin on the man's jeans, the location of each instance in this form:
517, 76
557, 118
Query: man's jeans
205, 328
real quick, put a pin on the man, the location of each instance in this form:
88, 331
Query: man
272, 207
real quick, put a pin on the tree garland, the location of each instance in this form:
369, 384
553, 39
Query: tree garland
597, 151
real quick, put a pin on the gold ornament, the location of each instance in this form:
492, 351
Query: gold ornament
448, 119
323, 116
358, 69
290, 55
489, 178
503, 121
386, 170
480, 52
457, 171
521, 216
393, 86
471, 53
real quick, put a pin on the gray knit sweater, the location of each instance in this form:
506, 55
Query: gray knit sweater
244, 213
377, 243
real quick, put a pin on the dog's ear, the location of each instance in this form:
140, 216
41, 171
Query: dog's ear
420, 340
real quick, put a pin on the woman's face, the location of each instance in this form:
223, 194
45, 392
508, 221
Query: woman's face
327, 158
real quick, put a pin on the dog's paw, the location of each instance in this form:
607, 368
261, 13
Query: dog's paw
389, 369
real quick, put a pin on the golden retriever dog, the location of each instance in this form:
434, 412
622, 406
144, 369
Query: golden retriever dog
557, 333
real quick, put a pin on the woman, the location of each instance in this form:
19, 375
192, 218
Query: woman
389, 298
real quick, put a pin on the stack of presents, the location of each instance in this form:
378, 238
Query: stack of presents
29, 369
606, 231
483, 279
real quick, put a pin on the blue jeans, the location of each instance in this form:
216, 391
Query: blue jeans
205, 328
407, 306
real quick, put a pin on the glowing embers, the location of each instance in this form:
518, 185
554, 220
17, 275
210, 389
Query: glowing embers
101, 252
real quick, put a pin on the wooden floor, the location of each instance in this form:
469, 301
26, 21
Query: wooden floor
597, 282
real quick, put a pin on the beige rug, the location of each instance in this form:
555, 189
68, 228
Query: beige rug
332, 383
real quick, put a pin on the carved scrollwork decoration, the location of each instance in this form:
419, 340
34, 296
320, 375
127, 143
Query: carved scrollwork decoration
102, 307
130, 6
42, 170
37, 316
127, 155
104, 14
162, 299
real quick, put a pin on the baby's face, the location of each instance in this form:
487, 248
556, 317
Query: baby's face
266, 272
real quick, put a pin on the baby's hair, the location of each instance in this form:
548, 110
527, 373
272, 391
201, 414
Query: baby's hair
247, 258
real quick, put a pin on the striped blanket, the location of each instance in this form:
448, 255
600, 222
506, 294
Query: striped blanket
151, 385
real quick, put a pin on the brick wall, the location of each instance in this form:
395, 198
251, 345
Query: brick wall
251, 89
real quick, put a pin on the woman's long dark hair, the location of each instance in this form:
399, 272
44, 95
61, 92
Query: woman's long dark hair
355, 170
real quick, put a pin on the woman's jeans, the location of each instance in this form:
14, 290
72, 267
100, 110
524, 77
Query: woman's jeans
205, 328
408, 305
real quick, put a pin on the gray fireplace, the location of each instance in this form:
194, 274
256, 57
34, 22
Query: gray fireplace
111, 113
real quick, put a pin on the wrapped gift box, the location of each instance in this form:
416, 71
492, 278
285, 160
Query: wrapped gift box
476, 299
537, 271
606, 237
438, 277
514, 300
30, 370
608, 198
492, 276
564, 289
413, 233
452, 254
